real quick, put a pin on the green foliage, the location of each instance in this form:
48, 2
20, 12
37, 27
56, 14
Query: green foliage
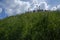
31, 26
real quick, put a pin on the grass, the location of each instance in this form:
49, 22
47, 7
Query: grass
31, 26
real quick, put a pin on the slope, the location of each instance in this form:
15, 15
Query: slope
31, 26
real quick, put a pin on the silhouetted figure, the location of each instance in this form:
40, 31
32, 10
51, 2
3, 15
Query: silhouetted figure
34, 10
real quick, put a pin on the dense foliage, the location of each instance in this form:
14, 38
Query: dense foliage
31, 26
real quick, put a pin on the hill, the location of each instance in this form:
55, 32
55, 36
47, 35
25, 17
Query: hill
31, 26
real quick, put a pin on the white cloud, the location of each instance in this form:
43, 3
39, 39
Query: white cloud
58, 7
44, 5
9, 11
55, 8
0, 10
13, 7
16, 7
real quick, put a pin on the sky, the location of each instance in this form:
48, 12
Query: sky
14, 7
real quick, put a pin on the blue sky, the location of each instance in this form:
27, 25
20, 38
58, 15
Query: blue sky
13, 7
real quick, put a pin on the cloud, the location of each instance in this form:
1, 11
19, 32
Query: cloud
13, 7
36, 3
0, 10
17, 7
44, 6
55, 8
58, 7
